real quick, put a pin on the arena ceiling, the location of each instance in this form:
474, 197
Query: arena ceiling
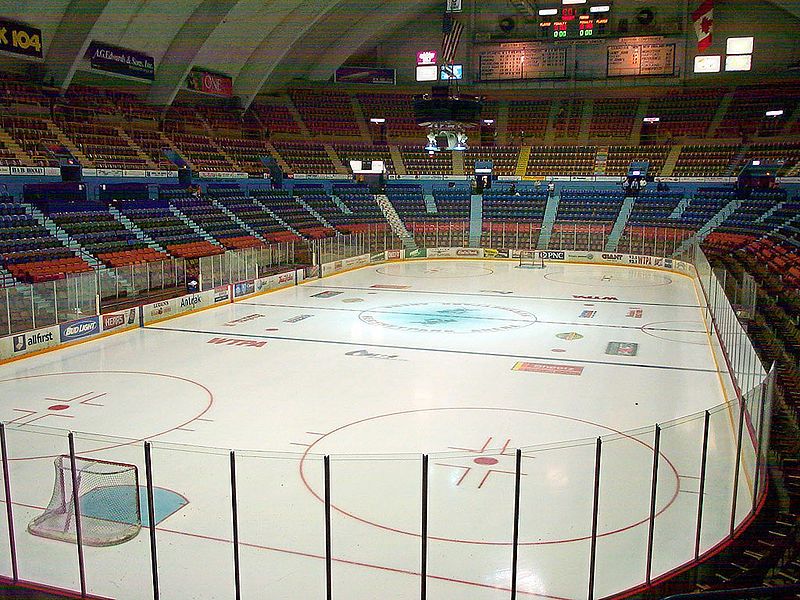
257, 42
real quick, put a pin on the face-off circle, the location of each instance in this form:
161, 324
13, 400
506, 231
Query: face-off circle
613, 278
471, 483
435, 270
686, 332
448, 317
134, 402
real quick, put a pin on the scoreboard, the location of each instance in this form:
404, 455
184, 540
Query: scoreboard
570, 22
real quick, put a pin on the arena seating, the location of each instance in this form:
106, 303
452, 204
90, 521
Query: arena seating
613, 117
306, 158
705, 161
620, 157
746, 115
333, 117
408, 200
589, 205
275, 118
568, 118
253, 215
33, 136
653, 207
28, 250
421, 162
158, 222
360, 202
528, 117
746, 216
348, 152
100, 234
452, 202
201, 152
396, 109
685, 113
561, 160
704, 204
504, 159
285, 207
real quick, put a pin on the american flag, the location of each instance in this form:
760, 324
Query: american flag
452, 35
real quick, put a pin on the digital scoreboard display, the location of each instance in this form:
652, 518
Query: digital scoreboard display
571, 22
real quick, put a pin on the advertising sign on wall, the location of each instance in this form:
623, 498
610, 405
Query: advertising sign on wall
200, 80
369, 75
122, 61
20, 39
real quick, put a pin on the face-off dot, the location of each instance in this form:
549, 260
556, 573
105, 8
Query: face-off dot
58, 407
485, 460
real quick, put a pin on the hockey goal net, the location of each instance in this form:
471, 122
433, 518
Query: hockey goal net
108, 500
528, 259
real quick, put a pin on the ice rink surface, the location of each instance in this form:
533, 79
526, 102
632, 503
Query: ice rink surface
466, 361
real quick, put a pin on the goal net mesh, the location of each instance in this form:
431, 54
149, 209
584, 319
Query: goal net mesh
529, 260
108, 500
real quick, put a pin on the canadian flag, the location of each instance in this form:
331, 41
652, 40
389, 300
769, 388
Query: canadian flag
703, 19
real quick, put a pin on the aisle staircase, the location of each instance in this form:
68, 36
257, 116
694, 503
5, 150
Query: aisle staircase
141, 235
710, 226
430, 204
361, 120
337, 162
619, 224
232, 216
549, 219
522, 161
395, 222
638, 122
276, 217
501, 125
458, 163
192, 225
397, 159
722, 109
671, 160
475, 220
600, 160
586, 121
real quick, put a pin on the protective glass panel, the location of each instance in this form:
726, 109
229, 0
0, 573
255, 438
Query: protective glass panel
35, 483
471, 509
197, 530
20, 307
281, 525
677, 494
44, 303
86, 294
376, 524
720, 470
114, 514
66, 302
5, 324
747, 465
556, 493
624, 510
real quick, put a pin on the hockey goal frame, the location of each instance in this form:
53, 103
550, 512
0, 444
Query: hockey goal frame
114, 482
530, 259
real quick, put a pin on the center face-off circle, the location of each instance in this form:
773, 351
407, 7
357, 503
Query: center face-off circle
448, 317
471, 484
